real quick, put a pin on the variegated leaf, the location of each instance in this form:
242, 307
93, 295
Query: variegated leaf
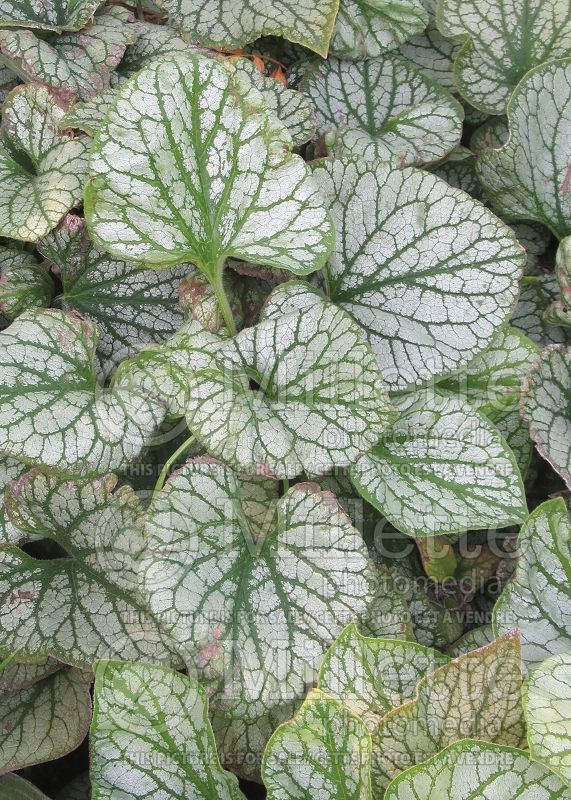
515, 431
537, 292
52, 410
538, 599
324, 751
475, 638
546, 700
132, 307
368, 28
546, 405
501, 42
472, 770
44, 721
445, 452
24, 283
428, 273
10, 470
530, 176
42, 171
88, 116
224, 25
382, 109
73, 65
16, 675
85, 604
253, 607
431, 52
148, 715
252, 198
56, 15
475, 695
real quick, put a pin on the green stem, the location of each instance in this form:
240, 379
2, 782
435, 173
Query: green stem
219, 291
8, 660
140, 10
168, 464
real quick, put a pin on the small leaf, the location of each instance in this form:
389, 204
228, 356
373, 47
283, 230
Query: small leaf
537, 292
382, 109
222, 24
431, 52
253, 606
546, 405
515, 431
368, 28
324, 751
85, 604
131, 306
371, 676
501, 43
471, 770
475, 695
563, 270
42, 171
546, 697
444, 451
428, 273
73, 64
53, 412
57, 15
153, 42
538, 599
16, 675
251, 198
88, 116
44, 721
24, 283
530, 176
12, 787
10, 470
475, 638
145, 715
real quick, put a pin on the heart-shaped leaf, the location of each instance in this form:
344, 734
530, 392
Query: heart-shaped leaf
24, 283
253, 605
546, 697
428, 273
501, 42
57, 15
538, 600
530, 176
73, 64
52, 410
12, 787
227, 25
44, 721
382, 109
444, 451
83, 605
131, 306
42, 171
236, 190
145, 715
368, 28
324, 751
472, 770
475, 695
546, 405
371, 676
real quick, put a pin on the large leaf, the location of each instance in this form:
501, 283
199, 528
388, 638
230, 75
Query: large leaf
427, 272
23, 282
74, 64
12, 787
546, 699
368, 28
472, 770
253, 604
132, 307
83, 605
501, 42
476, 695
530, 177
44, 721
42, 171
225, 25
382, 109
57, 15
445, 452
324, 751
53, 412
371, 676
546, 405
538, 600
235, 190
151, 737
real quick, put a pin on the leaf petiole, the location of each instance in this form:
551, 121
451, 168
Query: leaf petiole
169, 463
